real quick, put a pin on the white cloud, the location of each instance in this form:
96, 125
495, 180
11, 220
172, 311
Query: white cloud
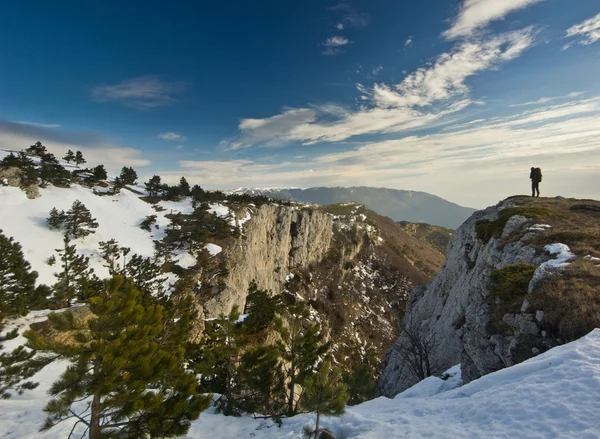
143, 92
339, 26
37, 124
376, 70
408, 42
180, 147
95, 148
476, 14
423, 98
545, 100
172, 136
588, 30
336, 41
494, 154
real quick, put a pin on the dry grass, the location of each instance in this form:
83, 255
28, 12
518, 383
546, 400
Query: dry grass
570, 301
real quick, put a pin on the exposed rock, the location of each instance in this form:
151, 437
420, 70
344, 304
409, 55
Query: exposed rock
459, 294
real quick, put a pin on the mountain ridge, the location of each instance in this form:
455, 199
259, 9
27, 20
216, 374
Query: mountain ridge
397, 204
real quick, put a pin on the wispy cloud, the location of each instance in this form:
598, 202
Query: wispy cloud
474, 15
334, 44
180, 147
588, 31
170, 136
545, 100
351, 17
408, 42
496, 153
37, 124
376, 70
423, 98
97, 148
339, 26
142, 92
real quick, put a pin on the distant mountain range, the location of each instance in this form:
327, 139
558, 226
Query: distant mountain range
399, 205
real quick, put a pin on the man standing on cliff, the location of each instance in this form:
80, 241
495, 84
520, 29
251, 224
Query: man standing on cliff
536, 178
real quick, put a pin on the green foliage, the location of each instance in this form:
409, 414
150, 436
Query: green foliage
487, 230
359, 380
17, 281
76, 278
99, 173
153, 186
69, 157
511, 281
217, 361
261, 380
262, 308
79, 160
184, 187
148, 222
325, 394
128, 175
301, 345
127, 363
37, 150
110, 252
77, 222
145, 274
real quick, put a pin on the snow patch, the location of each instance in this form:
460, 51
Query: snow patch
213, 249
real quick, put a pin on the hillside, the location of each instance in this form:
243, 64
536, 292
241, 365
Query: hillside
399, 205
520, 278
552, 395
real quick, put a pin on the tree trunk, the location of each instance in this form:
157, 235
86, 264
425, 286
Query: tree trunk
95, 431
317, 425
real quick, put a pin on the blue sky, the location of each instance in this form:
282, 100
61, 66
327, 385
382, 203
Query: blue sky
456, 98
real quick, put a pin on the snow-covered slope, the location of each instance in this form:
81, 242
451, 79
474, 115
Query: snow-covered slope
554, 395
118, 216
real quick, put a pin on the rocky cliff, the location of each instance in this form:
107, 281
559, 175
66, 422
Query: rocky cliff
485, 308
354, 267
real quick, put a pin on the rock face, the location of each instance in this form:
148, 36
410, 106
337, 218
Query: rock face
277, 240
454, 309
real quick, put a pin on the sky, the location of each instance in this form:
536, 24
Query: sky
458, 98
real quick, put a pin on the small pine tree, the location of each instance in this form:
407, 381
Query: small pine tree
79, 221
72, 280
153, 186
56, 219
37, 150
99, 173
128, 175
261, 308
69, 157
218, 358
118, 185
261, 381
325, 394
79, 160
184, 187
17, 281
127, 363
110, 251
145, 274
301, 345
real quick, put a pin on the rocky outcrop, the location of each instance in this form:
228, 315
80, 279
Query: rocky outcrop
275, 241
455, 309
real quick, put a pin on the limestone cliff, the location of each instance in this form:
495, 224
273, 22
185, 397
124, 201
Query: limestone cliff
459, 314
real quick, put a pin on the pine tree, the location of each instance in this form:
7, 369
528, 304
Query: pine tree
217, 361
17, 281
153, 186
325, 394
37, 149
128, 175
261, 381
79, 221
74, 278
110, 251
50, 171
69, 157
56, 219
301, 345
118, 185
261, 308
145, 274
127, 363
79, 160
99, 173
184, 187
359, 375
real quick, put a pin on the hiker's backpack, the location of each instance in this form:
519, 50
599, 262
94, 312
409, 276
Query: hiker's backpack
538, 174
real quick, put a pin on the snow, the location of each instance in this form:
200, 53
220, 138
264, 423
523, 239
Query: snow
213, 249
431, 386
561, 261
118, 216
539, 227
592, 258
219, 210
